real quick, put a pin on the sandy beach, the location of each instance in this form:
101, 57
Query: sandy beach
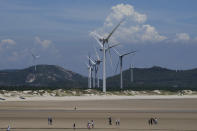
178, 114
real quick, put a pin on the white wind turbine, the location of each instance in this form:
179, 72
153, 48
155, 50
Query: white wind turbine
90, 69
98, 61
102, 42
131, 70
89, 75
34, 58
104, 61
93, 64
120, 60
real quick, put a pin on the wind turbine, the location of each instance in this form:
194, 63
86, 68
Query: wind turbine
93, 64
104, 61
90, 69
98, 61
89, 75
120, 60
131, 70
102, 42
34, 59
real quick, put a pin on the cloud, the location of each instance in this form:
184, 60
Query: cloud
182, 37
44, 43
45, 48
121, 11
132, 30
6, 43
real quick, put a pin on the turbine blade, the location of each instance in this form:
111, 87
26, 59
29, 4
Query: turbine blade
113, 30
90, 59
98, 41
117, 65
34, 57
97, 55
128, 53
97, 35
111, 63
92, 62
116, 52
111, 46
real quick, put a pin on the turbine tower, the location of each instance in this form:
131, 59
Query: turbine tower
93, 64
131, 70
102, 42
98, 61
90, 69
121, 61
34, 59
89, 75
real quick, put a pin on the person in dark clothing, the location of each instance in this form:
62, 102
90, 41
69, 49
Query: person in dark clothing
110, 120
74, 125
48, 120
118, 121
51, 121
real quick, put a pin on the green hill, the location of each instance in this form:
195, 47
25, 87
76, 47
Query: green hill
44, 76
156, 78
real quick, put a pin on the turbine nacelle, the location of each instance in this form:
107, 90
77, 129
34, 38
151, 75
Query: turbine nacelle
102, 40
109, 47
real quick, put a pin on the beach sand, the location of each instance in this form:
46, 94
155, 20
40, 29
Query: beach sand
173, 114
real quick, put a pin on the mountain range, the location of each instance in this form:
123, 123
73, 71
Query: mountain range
53, 76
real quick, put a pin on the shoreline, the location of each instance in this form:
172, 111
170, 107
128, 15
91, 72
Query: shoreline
92, 98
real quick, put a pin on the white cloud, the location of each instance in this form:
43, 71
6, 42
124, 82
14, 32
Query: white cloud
133, 29
43, 43
6, 43
121, 11
150, 34
182, 37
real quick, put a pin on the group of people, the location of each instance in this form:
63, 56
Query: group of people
152, 121
90, 124
110, 121
117, 122
50, 121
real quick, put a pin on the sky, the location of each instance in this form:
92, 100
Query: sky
163, 32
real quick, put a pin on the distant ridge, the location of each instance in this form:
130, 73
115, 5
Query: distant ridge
156, 78
45, 75
53, 77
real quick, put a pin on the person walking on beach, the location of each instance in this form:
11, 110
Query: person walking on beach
150, 121
110, 120
74, 125
48, 120
88, 125
8, 129
155, 121
118, 122
51, 121
92, 123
